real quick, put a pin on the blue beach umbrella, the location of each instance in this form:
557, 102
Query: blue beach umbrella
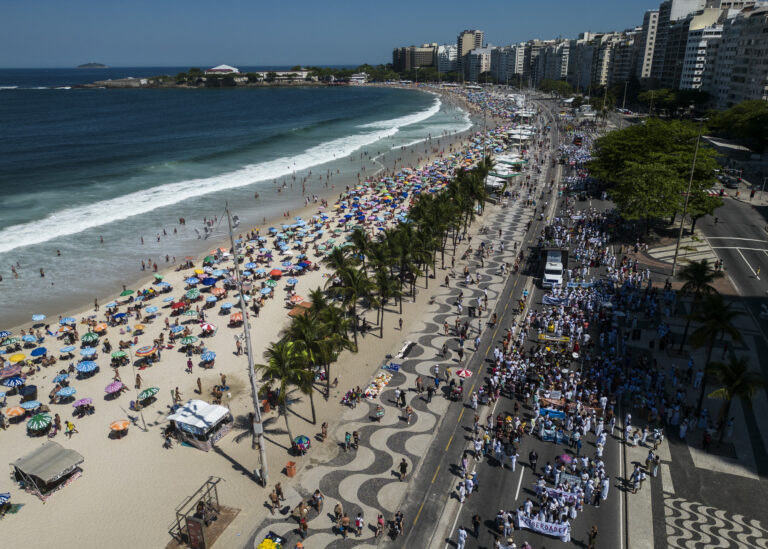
226, 305
211, 299
31, 405
151, 310
67, 320
29, 339
86, 366
260, 271
5, 498
5, 333
293, 281
164, 283
61, 377
209, 281
111, 305
88, 351
219, 272
167, 300
66, 350
208, 356
120, 315
40, 351
265, 291
177, 329
38, 318
14, 381
250, 265
192, 280
66, 392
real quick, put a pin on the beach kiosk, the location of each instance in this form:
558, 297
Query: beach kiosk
201, 424
47, 468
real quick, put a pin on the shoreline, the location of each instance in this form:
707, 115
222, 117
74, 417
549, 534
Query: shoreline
84, 307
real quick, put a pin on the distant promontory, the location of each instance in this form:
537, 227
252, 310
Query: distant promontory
92, 66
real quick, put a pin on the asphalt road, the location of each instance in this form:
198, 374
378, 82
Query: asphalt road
435, 482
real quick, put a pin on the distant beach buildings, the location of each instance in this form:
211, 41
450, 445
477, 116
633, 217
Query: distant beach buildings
223, 69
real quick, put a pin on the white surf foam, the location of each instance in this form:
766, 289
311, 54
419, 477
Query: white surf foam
407, 120
78, 219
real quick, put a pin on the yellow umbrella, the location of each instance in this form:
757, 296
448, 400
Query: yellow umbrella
199, 271
18, 357
138, 327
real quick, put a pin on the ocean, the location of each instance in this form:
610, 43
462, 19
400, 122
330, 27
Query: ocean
79, 165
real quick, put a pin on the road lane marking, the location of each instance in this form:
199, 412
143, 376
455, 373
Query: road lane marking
738, 248
747, 262
519, 483
733, 238
416, 519
449, 443
434, 477
666, 479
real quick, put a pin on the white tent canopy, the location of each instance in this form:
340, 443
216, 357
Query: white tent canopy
199, 415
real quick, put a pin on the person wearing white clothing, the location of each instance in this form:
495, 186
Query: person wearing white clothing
462, 538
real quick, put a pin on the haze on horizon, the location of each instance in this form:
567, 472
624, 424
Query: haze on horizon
48, 34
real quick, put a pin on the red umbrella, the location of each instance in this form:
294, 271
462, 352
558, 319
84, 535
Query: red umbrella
276, 273
464, 373
178, 305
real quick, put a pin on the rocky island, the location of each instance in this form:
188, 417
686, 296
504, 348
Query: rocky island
92, 66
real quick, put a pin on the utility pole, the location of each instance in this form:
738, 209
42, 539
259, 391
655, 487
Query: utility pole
687, 197
762, 188
623, 104
258, 427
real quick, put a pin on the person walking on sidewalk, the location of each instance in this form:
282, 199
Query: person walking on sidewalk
403, 467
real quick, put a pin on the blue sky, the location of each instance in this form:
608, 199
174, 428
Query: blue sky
48, 33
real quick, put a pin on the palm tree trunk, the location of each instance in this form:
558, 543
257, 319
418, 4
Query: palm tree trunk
312, 404
685, 334
354, 326
381, 326
724, 418
327, 381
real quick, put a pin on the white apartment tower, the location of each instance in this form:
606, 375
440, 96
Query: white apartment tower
646, 43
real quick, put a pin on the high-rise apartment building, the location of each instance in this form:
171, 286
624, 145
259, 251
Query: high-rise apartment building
467, 41
677, 42
553, 61
699, 55
624, 59
645, 44
414, 57
670, 11
478, 62
447, 58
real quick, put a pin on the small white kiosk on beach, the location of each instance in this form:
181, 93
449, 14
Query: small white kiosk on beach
201, 424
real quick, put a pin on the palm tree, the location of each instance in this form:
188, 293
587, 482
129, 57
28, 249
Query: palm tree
698, 277
386, 288
354, 286
318, 299
286, 368
338, 260
716, 321
736, 380
361, 243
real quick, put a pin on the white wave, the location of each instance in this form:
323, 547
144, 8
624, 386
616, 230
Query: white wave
466, 124
406, 120
8, 87
80, 218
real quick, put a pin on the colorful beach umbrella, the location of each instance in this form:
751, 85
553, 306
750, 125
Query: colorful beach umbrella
100, 327
7, 342
192, 280
271, 283
15, 411
86, 367
113, 387
119, 425
18, 357
464, 373
5, 498
14, 381
146, 393
191, 313
61, 377
67, 320
5, 333
40, 351
146, 350
194, 293
207, 356
39, 422
82, 402
207, 327
90, 337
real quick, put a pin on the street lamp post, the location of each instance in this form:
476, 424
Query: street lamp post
258, 427
762, 188
687, 197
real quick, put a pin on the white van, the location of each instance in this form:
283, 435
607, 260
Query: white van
553, 270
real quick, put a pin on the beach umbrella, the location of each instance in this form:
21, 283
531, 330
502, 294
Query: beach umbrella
190, 313
40, 351
246, 273
18, 357
61, 377
207, 327
9, 341
164, 284
286, 263
113, 387
301, 442
5, 333
5, 498
38, 318
146, 350
208, 356
209, 281
15, 411
199, 271
151, 310
119, 425
463, 373
86, 367
158, 277
178, 305
236, 317
90, 337
39, 422
296, 299
111, 305
209, 259
102, 326
194, 293
126, 293
260, 271
293, 281
226, 305
67, 320
265, 291
28, 339
218, 292
146, 393
251, 265
276, 273
88, 351
177, 329
14, 381
167, 299
219, 272
119, 354
31, 405
192, 280
211, 299
189, 340
271, 283
139, 328
66, 392
82, 402
118, 316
